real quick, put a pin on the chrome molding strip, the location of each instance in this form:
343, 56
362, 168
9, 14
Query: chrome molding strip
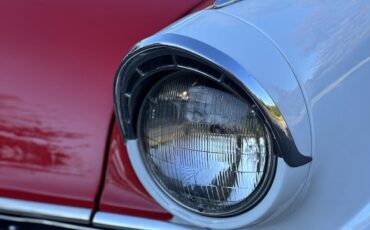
30, 212
26, 220
116, 221
45, 211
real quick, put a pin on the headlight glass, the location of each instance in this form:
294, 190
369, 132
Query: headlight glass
207, 148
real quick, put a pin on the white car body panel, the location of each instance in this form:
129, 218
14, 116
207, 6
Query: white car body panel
313, 58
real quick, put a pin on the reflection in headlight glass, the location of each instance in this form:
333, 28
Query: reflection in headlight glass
204, 146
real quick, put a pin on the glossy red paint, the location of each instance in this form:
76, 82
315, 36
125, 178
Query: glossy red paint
123, 192
57, 64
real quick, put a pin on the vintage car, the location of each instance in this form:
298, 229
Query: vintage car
186, 114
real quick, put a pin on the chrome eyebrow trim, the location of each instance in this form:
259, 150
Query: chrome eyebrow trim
284, 143
222, 3
45, 210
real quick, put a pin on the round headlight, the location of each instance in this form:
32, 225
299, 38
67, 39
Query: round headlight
205, 146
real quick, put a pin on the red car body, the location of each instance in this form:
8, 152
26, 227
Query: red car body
59, 143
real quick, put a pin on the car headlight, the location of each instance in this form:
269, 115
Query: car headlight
206, 147
205, 138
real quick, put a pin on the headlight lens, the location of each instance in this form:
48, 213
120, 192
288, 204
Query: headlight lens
206, 148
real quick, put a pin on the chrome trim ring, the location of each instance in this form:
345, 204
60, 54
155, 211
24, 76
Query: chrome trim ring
271, 160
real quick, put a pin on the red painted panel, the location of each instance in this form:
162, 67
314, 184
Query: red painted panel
203, 5
123, 192
57, 63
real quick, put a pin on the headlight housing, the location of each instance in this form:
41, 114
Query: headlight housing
152, 91
206, 147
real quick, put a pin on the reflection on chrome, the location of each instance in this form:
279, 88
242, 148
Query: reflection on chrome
208, 149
